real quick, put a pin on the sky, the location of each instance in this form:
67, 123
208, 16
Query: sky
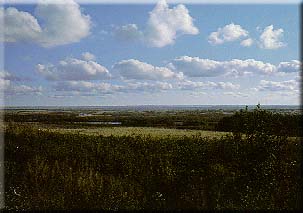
71, 54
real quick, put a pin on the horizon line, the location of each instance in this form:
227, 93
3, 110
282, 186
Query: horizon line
151, 105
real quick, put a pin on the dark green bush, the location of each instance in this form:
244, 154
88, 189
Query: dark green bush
261, 121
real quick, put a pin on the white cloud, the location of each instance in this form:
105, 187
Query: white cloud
238, 67
247, 42
163, 26
271, 39
18, 26
10, 89
73, 69
24, 90
74, 86
288, 67
87, 56
228, 33
134, 69
236, 94
192, 85
290, 85
9, 76
62, 23
129, 32
85, 86
227, 86
4, 84
198, 94
90, 88
148, 87
198, 67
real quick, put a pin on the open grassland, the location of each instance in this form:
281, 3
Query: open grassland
131, 131
141, 131
122, 131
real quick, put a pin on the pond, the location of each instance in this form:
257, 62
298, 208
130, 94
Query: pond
101, 122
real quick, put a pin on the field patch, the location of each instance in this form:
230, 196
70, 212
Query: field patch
146, 131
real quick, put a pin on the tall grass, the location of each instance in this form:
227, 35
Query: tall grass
52, 170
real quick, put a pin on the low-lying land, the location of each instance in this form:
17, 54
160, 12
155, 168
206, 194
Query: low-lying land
66, 165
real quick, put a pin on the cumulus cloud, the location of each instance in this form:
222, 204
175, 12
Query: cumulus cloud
192, 85
73, 69
288, 67
228, 33
290, 85
226, 86
134, 69
271, 39
91, 88
247, 42
4, 75
236, 94
129, 32
87, 56
148, 87
163, 26
23, 90
56, 23
238, 67
10, 89
4, 84
198, 67
63, 22
85, 86
18, 26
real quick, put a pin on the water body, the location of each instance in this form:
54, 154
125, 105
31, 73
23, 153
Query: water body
100, 122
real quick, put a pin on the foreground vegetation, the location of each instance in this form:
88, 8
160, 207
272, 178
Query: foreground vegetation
254, 168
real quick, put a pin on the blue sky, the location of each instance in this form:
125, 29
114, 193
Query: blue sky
71, 54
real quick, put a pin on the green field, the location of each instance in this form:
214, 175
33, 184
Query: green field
142, 131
